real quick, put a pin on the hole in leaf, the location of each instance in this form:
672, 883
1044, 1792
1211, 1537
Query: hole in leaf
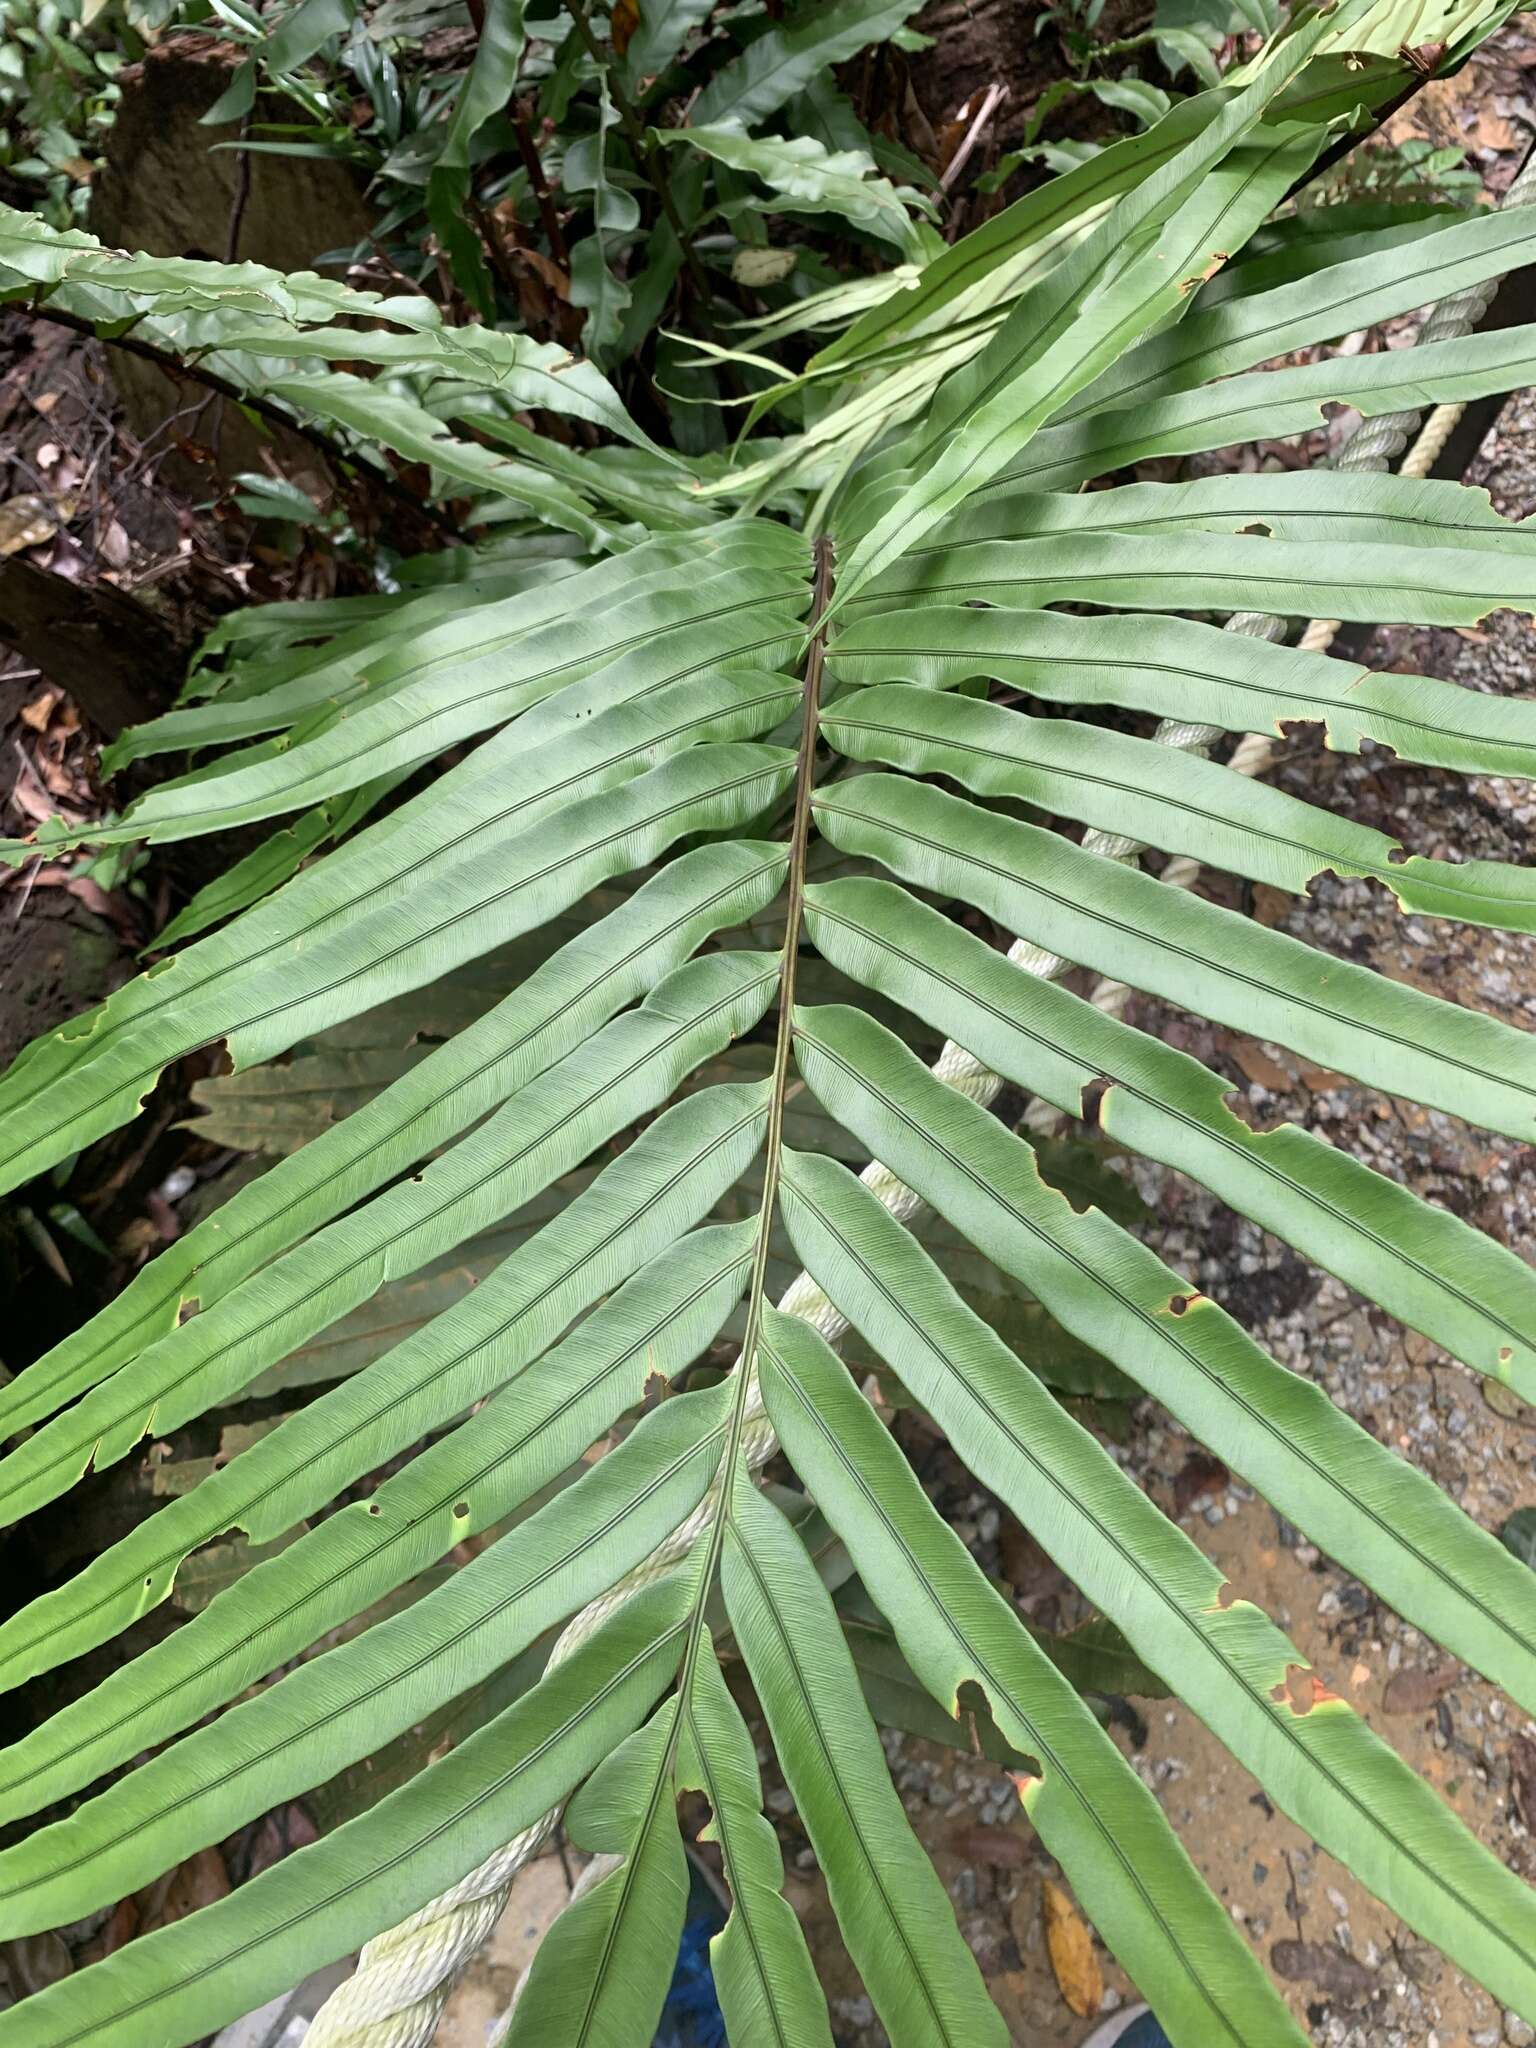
1301, 1690
1027, 1784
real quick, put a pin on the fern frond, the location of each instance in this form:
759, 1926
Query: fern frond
714, 872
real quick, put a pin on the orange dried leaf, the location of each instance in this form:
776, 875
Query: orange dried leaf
40, 710
1070, 1947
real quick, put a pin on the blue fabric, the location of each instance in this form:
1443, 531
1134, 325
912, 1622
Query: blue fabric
691, 2017
1144, 2033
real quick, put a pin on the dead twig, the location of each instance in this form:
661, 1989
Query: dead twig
29, 877
242, 192
992, 99
533, 164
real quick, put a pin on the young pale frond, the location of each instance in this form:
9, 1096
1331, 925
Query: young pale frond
689, 914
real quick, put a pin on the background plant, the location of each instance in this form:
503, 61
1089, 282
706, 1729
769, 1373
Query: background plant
59, 61
649, 970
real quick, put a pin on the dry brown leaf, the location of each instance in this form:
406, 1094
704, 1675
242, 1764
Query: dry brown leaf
121, 1926
1199, 1476
1258, 1066
1503, 1400
31, 801
547, 270
197, 1882
622, 23
1415, 1689
1492, 133
1522, 1778
993, 1848
1321, 1963
40, 710
1270, 906
87, 890
32, 1962
1070, 1947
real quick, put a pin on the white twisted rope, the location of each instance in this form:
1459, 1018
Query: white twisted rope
404, 1977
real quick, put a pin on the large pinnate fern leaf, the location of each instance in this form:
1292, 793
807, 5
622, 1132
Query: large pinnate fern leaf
724, 792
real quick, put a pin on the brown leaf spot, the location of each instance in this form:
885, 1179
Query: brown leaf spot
1189, 284
1426, 58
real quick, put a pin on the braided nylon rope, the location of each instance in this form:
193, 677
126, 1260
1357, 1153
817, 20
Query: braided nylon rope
404, 1977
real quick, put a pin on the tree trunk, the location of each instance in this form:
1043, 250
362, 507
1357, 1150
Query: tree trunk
118, 661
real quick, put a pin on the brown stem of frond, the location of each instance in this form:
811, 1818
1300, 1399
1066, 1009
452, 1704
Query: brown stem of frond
799, 846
